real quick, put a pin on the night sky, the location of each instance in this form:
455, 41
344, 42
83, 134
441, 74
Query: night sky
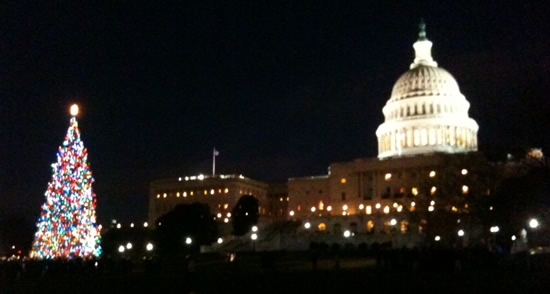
280, 88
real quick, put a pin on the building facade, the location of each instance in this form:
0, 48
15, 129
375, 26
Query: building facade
219, 192
426, 128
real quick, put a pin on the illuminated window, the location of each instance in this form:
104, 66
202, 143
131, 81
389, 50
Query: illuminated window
423, 137
413, 206
386, 209
191, 193
321, 205
299, 207
370, 226
432, 190
178, 194
184, 194
431, 136
164, 195
343, 180
322, 227
225, 205
219, 191
465, 189
387, 177
404, 226
414, 191
158, 195
432, 174
226, 191
205, 192
212, 192
368, 209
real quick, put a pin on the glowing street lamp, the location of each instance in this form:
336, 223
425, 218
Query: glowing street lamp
307, 225
121, 248
347, 233
254, 228
149, 246
129, 245
533, 223
188, 241
460, 233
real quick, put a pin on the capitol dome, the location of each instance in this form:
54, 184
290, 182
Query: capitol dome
426, 112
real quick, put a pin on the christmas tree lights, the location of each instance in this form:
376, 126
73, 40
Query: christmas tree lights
67, 225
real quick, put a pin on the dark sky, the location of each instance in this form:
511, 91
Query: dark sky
280, 88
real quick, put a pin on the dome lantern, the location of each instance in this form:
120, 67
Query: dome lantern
423, 49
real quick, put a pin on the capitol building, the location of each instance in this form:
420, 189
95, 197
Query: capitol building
427, 163
425, 140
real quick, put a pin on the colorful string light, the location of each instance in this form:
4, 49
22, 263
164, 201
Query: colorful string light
67, 225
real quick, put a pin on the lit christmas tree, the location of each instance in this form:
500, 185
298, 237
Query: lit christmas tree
67, 225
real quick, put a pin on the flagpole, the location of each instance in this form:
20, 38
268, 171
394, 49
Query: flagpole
214, 162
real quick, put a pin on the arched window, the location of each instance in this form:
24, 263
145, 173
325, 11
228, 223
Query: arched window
322, 227
423, 137
431, 136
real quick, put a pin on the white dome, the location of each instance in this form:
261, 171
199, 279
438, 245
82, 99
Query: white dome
426, 112
425, 80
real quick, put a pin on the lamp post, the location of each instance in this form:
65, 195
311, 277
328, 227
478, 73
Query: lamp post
254, 237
